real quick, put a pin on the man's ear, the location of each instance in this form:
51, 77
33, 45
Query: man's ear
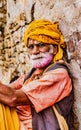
55, 49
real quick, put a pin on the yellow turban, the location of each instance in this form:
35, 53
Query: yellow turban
47, 32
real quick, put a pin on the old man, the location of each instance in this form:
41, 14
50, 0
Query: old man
43, 98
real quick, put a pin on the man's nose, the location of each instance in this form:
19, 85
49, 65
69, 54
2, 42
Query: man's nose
36, 50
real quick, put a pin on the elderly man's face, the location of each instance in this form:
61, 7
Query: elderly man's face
41, 54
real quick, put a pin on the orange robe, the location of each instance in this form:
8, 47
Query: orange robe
43, 91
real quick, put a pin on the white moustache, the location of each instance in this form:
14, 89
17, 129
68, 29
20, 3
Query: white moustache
39, 56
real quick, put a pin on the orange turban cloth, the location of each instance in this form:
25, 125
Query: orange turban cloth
46, 32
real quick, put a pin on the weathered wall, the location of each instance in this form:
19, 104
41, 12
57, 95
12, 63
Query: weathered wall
17, 14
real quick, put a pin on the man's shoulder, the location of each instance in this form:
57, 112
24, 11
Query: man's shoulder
56, 66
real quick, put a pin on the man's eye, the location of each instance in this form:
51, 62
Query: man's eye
40, 44
30, 47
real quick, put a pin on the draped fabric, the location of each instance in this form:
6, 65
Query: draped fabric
62, 122
56, 117
47, 32
8, 118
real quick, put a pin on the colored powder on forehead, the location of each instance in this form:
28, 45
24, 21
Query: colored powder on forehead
31, 41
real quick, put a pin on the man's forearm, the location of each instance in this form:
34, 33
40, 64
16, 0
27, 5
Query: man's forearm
6, 90
6, 94
12, 97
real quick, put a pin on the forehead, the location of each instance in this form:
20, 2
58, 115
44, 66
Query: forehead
31, 41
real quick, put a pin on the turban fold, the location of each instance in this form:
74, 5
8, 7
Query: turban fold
46, 32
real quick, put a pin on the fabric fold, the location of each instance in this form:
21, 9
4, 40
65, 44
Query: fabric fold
8, 118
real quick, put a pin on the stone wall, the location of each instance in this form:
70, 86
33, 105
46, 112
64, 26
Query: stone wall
17, 14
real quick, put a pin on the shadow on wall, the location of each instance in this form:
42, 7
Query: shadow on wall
13, 79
